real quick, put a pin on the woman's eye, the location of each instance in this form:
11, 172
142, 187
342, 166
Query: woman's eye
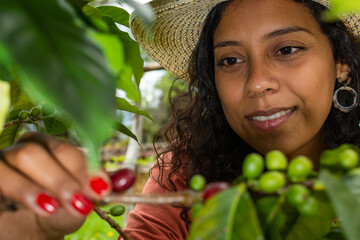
287, 51
229, 61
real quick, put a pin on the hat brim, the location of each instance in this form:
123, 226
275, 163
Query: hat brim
176, 28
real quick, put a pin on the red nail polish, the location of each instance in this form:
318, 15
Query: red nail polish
98, 185
82, 204
47, 203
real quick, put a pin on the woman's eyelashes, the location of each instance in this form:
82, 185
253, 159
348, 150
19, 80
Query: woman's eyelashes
229, 61
288, 51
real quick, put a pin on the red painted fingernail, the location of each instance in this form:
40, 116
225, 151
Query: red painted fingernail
47, 203
82, 204
98, 185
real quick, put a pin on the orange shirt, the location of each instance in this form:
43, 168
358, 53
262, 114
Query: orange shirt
157, 222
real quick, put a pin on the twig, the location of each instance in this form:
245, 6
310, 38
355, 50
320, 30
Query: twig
111, 222
185, 198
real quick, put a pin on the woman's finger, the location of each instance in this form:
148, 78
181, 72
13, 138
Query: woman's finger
23, 191
73, 160
35, 162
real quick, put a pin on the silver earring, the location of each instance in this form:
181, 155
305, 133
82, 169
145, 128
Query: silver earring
342, 108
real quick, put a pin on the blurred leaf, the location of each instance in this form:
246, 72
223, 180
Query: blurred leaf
55, 125
117, 14
346, 204
4, 102
124, 105
313, 227
131, 48
123, 129
9, 135
61, 64
340, 7
229, 215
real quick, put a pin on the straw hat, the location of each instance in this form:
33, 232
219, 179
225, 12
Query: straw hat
176, 29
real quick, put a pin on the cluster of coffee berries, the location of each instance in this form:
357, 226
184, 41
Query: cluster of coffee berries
273, 174
35, 112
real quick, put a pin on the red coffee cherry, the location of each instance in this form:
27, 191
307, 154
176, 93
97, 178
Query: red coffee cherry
213, 188
122, 180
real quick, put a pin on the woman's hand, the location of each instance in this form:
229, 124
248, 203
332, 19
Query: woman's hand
49, 178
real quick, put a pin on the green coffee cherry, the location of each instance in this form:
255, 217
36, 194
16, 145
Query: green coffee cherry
349, 158
276, 160
253, 165
309, 208
117, 210
297, 194
47, 109
23, 115
14, 114
272, 181
197, 182
35, 112
299, 168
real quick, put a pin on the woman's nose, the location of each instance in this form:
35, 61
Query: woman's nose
261, 80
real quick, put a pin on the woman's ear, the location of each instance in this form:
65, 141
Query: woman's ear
342, 72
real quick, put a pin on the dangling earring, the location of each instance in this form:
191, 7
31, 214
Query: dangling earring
342, 108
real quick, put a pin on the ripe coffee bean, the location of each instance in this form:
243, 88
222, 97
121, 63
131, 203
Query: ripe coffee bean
197, 182
122, 180
253, 165
272, 181
215, 187
276, 160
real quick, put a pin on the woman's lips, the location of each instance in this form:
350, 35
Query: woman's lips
270, 120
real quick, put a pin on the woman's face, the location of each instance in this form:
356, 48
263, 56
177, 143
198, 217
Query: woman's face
275, 75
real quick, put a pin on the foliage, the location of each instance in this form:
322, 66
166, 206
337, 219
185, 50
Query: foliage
330, 211
72, 56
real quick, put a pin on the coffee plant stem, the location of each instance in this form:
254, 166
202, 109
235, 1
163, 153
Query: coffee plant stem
185, 198
112, 222
18, 121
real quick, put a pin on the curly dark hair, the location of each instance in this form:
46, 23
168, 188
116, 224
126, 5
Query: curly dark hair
198, 136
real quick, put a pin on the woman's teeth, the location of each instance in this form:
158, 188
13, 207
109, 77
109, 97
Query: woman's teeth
271, 117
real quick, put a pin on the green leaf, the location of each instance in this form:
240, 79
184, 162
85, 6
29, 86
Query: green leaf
124, 105
345, 202
313, 227
123, 129
119, 15
131, 48
55, 125
19, 99
125, 60
9, 135
229, 215
61, 64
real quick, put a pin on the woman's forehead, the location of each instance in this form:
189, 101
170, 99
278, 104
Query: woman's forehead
248, 18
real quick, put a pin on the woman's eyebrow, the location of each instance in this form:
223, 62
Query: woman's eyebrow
268, 36
284, 31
